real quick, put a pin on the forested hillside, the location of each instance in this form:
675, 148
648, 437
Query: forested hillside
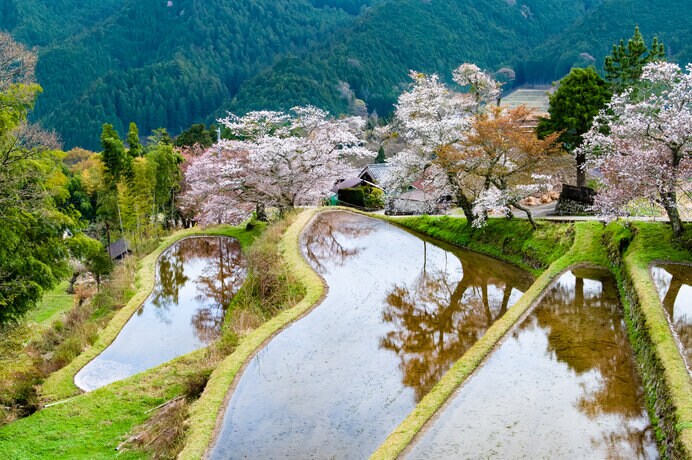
375, 56
172, 63
168, 64
591, 38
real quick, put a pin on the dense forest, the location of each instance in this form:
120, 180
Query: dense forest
174, 63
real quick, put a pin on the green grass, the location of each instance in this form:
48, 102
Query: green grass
511, 240
53, 303
91, 425
667, 382
586, 250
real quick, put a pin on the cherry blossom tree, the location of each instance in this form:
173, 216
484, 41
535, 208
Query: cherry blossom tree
642, 143
506, 159
280, 160
430, 117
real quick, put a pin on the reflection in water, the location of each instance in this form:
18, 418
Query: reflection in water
196, 280
674, 285
336, 382
564, 384
438, 317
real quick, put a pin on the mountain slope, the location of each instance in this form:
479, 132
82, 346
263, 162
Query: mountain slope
169, 64
375, 55
593, 35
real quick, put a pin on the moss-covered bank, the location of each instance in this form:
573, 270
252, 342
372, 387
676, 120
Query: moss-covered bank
633, 249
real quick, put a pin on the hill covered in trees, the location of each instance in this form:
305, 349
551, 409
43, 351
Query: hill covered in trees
173, 63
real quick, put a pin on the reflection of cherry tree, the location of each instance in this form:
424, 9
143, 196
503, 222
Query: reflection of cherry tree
327, 238
170, 276
670, 286
586, 331
436, 320
221, 278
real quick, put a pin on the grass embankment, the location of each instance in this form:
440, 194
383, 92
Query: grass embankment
513, 240
18, 372
666, 381
551, 245
91, 425
205, 412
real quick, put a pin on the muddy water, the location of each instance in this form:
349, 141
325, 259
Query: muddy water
195, 281
674, 285
562, 385
399, 311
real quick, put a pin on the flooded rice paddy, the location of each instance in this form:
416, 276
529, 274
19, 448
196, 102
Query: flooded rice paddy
195, 280
563, 384
674, 285
398, 313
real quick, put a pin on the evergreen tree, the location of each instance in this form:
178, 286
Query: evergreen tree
113, 156
136, 149
624, 65
380, 158
578, 99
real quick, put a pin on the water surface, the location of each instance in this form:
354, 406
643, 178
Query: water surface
562, 385
195, 280
399, 312
674, 285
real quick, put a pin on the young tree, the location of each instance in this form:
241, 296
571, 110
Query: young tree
642, 143
282, 160
380, 158
578, 99
624, 65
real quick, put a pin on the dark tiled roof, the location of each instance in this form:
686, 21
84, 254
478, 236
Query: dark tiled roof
117, 249
377, 171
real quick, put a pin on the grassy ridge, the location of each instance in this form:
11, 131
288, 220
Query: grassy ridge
91, 425
585, 250
204, 413
667, 383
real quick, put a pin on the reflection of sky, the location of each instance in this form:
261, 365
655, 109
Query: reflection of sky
526, 403
682, 308
155, 334
324, 387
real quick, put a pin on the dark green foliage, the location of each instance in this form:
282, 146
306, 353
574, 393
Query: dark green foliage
196, 134
578, 99
113, 156
135, 147
589, 39
353, 196
624, 65
380, 158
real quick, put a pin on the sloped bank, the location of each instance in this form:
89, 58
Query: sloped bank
667, 384
205, 411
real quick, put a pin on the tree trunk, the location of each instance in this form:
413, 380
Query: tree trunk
581, 172
528, 214
466, 206
671, 207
